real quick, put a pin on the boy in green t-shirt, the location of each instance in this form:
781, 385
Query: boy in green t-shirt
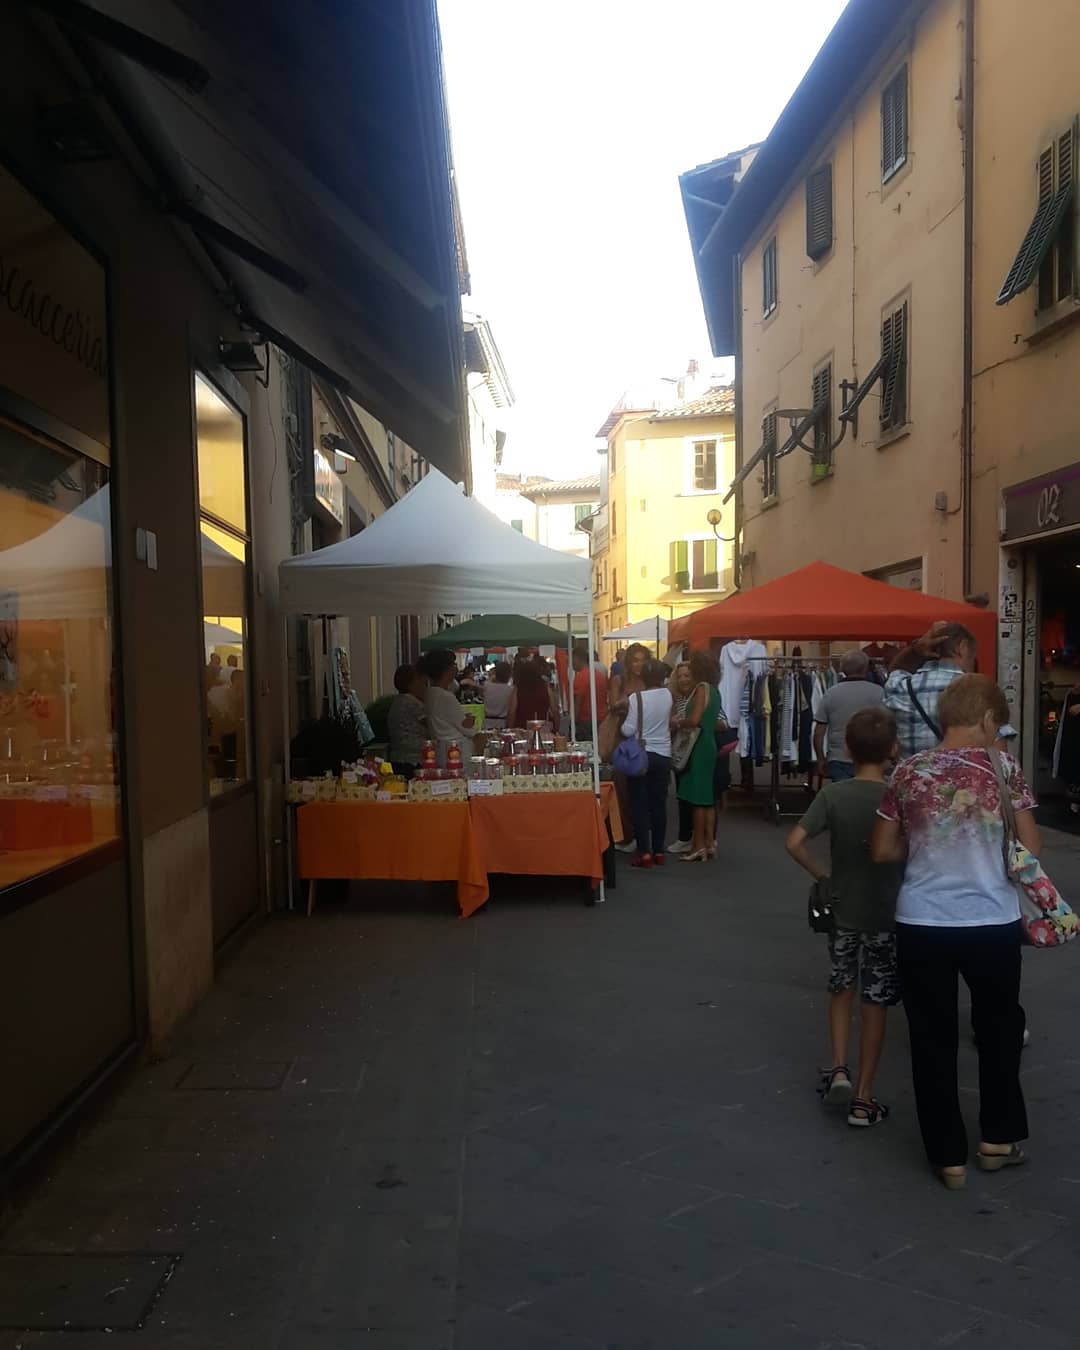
862, 947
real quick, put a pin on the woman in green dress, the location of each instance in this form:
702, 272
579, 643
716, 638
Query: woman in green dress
696, 784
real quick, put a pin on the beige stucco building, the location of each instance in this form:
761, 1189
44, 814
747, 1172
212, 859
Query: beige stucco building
896, 274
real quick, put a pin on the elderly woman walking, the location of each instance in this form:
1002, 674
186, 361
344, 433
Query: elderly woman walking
958, 915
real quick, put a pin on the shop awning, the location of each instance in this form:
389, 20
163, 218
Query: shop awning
494, 630
644, 630
823, 603
306, 148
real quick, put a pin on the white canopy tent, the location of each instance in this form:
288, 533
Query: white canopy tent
644, 630
437, 550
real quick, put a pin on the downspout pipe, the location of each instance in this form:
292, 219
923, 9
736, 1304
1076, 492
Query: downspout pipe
967, 445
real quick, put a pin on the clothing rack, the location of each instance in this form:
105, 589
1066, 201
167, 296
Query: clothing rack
790, 665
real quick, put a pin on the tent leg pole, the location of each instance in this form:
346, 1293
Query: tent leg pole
286, 759
570, 675
601, 893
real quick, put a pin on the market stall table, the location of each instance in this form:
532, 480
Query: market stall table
538, 834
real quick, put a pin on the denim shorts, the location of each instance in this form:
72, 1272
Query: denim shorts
867, 960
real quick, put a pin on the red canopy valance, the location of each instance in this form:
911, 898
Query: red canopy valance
822, 603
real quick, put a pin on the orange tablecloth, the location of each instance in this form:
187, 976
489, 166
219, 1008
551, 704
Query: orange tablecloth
557, 834
609, 805
384, 841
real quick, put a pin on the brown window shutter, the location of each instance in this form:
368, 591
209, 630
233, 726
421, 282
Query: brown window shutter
819, 212
894, 380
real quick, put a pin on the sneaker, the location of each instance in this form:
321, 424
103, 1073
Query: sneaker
1027, 1039
680, 846
642, 860
628, 847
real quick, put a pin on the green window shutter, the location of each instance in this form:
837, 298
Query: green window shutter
679, 560
711, 579
821, 397
1049, 213
769, 464
819, 212
894, 378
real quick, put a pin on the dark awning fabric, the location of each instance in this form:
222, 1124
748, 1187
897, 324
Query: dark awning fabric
320, 138
494, 630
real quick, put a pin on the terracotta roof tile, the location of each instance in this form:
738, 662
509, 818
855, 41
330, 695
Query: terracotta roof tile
718, 402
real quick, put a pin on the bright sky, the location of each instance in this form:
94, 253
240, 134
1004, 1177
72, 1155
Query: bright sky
571, 122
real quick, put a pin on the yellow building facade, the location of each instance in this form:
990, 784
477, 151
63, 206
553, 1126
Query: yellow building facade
652, 547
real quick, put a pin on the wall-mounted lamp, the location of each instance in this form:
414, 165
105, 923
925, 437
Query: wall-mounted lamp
239, 357
714, 518
337, 445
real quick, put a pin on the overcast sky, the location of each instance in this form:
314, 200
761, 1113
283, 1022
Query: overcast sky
571, 122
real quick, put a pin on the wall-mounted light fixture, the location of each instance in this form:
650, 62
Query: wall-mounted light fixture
239, 357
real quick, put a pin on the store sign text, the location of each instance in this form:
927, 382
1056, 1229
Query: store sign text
1044, 504
329, 489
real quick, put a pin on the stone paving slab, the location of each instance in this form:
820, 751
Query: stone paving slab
560, 1128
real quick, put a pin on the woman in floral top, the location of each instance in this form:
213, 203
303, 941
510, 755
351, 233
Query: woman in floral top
958, 915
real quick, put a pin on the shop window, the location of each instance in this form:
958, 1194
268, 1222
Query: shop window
894, 124
225, 550
819, 212
769, 289
770, 469
59, 772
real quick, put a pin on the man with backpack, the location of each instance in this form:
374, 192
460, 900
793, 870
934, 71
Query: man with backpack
920, 674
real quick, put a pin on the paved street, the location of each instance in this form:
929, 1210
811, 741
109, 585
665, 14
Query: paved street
547, 1128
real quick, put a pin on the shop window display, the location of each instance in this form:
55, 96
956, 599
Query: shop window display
59, 778
225, 546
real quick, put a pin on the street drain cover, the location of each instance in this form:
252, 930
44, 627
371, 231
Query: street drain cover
80, 1291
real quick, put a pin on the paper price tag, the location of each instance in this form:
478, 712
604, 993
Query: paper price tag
479, 787
349, 778
441, 789
384, 797
307, 791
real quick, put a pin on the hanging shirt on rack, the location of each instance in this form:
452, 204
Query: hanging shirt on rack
738, 661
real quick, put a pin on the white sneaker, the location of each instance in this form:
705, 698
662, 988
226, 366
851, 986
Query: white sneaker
681, 846
629, 847
1027, 1038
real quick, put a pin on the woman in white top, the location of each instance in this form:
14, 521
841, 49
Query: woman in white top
497, 694
648, 718
447, 720
958, 915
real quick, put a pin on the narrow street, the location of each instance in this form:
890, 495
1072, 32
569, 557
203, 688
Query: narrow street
545, 1128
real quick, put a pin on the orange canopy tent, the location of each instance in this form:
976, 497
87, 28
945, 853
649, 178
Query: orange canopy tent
823, 603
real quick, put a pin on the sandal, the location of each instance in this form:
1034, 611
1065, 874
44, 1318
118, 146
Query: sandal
836, 1088
953, 1179
994, 1162
700, 856
866, 1112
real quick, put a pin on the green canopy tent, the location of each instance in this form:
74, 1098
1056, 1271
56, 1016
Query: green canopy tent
495, 630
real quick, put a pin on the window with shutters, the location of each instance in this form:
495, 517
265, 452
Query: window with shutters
894, 124
769, 289
582, 511
703, 465
1048, 250
694, 564
819, 212
821, 400
894, 378
770, 468
615, 596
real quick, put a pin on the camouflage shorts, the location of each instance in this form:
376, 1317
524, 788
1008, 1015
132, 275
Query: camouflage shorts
867, 960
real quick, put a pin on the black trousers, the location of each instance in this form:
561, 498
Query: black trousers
648, 804
989, 960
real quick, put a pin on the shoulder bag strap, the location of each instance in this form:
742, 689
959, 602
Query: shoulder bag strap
640, 720
1008, 815
921, 710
